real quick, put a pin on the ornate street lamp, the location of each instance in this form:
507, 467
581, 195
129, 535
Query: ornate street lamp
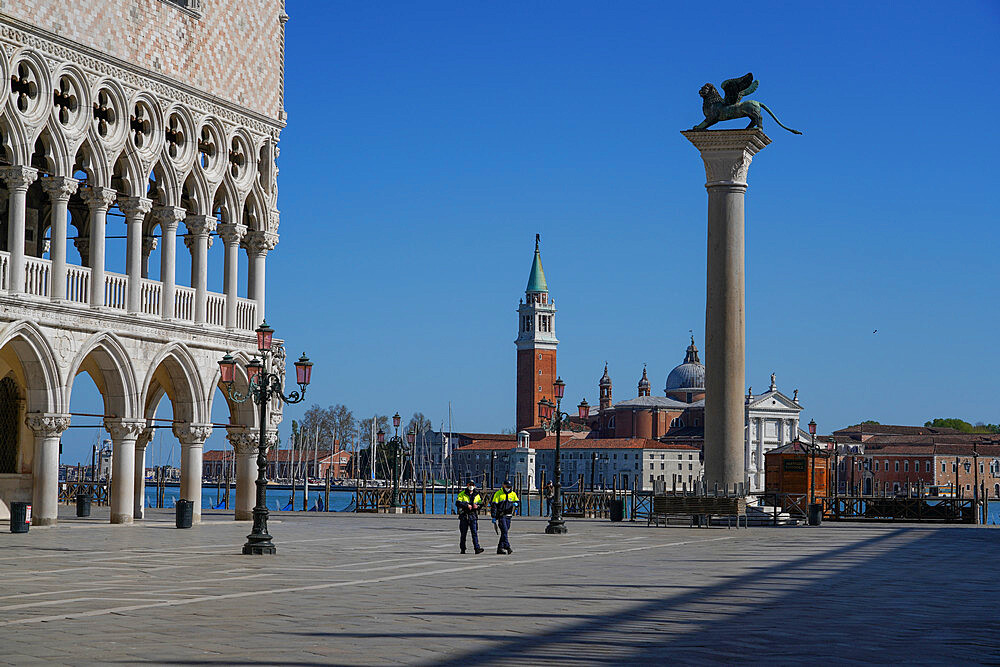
812, 465
262, 386
547, 411
398, 448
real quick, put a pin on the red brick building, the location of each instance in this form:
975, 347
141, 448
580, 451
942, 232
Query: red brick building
536, 346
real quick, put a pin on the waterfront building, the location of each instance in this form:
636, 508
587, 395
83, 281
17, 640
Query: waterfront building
282, 464
129, 128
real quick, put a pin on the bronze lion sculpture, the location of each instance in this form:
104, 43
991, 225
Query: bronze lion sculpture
716, 108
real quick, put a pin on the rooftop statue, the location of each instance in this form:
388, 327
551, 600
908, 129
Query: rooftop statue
716, 108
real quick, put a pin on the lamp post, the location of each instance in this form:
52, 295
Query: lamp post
397, 449
812, 464
553, 413
263, 385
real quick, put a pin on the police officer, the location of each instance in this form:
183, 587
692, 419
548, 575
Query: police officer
468, 503
504, 503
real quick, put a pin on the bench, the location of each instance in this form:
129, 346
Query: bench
693, 508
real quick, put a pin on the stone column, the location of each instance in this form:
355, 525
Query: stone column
245, 450
98, 199
258, 245
135, 210
48, 428
139, 510
149, 243
17, 179
192, 438
124, 433
59, 189
727, 155
231, 235
198, 241
168, 217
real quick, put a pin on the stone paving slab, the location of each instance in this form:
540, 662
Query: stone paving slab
383, 590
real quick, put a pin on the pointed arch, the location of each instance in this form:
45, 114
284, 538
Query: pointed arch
175, 372
254, 212
93, 161
225, 205
240, 414
128, 176
38, 364
52, 153
167, 190
108, 363
194, 195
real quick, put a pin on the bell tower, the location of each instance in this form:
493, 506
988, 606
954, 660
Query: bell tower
536, 346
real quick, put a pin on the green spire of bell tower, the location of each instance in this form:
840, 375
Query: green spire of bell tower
536, 281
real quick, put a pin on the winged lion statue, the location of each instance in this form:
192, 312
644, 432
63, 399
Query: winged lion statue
717, 108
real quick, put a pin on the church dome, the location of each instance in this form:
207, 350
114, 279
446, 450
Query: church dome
690, 375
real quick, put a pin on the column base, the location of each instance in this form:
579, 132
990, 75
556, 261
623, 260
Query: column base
40, 522
121, 518
244, 515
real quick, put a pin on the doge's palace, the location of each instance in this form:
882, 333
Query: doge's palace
158, 118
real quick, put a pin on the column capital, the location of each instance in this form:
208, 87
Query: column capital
123, 428
18, 177
232, 233
98, 198
727, 153
47, 425
243, 442
200, 225
261, 243
135, 206
192, 434
144, 439
59, 188
169, 216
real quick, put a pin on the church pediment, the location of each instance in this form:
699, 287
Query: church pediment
773, 400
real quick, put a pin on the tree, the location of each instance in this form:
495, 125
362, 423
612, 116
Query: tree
383, 463
330, 427
962, 425
871, 421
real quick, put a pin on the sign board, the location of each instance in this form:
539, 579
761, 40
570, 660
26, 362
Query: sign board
793, 465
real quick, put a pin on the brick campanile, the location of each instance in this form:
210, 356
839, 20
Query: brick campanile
536, 346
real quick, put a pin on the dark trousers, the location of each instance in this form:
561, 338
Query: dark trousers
504, 523
466, 523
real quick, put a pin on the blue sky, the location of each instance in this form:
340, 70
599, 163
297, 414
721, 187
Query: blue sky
428, 142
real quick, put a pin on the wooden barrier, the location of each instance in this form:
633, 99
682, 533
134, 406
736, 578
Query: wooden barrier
691, 507
98, 492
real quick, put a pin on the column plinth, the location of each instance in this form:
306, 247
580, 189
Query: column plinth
48, 428
727, 155
192, 438
124, 433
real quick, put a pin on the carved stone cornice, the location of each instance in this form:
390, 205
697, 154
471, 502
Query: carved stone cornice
17, 177
260, 243
169, 216
192, 434
124, 429
135, 207
232, 234
59, 188
47, 425
98, 198
727, 153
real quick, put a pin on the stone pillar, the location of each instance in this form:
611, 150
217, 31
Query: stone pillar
727, 155
258, 245
168, 217
45, 467
139, 510
124, 433
245, 450
198, 242
59, 189
192, 438
135, 210
149, 243
231, 235
98, 199
17, 179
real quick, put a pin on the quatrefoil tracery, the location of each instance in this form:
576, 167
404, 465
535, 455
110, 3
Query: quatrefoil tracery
65, 100
139, 125
104, 113
206, 147
237, 159
175, 136
23, 85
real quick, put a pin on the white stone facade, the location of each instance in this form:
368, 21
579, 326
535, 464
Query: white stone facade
167, 116
772, 421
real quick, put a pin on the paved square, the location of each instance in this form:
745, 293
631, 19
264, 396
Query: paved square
374, 590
